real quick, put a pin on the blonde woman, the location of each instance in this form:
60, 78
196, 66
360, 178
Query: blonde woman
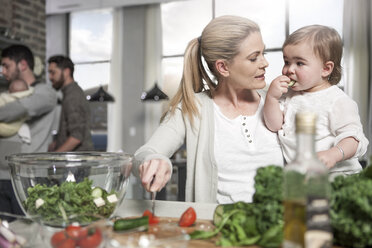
219, 118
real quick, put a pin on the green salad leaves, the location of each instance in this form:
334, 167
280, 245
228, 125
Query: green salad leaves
69, 198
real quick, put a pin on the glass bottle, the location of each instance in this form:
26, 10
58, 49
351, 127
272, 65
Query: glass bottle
306, 192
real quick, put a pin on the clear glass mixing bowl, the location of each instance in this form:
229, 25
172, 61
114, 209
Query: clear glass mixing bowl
54, 186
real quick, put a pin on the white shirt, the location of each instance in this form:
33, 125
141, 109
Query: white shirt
242, 145
338, 118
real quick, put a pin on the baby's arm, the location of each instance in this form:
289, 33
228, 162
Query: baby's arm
350, 141
345, 149
273, 115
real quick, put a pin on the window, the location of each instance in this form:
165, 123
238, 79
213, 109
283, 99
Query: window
183, 21
90, 46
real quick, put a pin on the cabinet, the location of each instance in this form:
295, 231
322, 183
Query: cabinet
66, 6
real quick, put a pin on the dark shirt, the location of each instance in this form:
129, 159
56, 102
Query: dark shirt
75, 118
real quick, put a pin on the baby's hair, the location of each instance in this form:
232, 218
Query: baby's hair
17, 85
327, 44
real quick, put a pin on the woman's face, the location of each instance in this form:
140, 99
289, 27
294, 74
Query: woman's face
247, 69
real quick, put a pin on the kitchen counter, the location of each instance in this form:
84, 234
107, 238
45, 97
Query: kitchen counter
131, 207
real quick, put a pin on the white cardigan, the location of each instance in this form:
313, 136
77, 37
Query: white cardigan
202, 173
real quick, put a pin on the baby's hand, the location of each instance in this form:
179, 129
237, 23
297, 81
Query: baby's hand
278, 87
328, 158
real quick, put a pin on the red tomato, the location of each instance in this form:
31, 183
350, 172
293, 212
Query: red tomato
92, 240
76, 232
152, 219
188, 217
58, 238
67, 243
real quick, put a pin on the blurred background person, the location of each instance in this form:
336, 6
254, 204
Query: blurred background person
74, 132
17, 62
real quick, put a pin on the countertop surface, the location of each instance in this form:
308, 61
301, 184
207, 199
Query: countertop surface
130, 208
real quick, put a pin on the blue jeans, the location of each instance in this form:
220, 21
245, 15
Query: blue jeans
8, 200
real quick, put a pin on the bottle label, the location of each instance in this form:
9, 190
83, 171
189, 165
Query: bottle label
290, 244
318, 239
319, 233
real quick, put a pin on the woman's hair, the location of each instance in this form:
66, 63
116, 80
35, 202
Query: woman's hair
220, 39
327, 44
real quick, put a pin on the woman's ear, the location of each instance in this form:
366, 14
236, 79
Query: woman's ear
222, 67
327, 68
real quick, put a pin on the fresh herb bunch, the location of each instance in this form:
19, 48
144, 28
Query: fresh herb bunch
70, 198
260, 222
351, 209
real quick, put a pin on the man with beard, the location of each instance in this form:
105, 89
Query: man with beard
74, 132
17, 62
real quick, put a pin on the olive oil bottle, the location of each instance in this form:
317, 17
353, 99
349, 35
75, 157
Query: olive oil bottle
306, 192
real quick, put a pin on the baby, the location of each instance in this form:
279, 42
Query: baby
312, 69
17, 89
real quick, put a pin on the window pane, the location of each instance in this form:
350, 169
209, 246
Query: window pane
90, 35
268, 14
172, 73
276, 63
182, 22
305, 12
92, 75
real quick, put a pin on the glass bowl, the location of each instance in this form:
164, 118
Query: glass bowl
24, 231
53, 186
73, 232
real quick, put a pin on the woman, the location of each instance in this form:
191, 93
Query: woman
220, 119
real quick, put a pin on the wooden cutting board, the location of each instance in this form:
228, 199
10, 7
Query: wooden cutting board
168, 228
168, 231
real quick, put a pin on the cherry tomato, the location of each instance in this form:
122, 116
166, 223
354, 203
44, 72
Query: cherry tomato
152, 219
67, 243
188, 218
93, 239
76, 232
58, 238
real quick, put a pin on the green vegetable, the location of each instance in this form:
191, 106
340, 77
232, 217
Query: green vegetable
67, 199
351, 209
260, 222
291, 83
128, 224
97, 192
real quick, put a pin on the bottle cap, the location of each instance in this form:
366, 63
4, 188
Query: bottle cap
306, 122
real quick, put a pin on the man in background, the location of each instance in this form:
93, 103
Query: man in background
17, 62
74, 132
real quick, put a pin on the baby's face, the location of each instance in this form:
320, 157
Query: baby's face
17, 85
302, 65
